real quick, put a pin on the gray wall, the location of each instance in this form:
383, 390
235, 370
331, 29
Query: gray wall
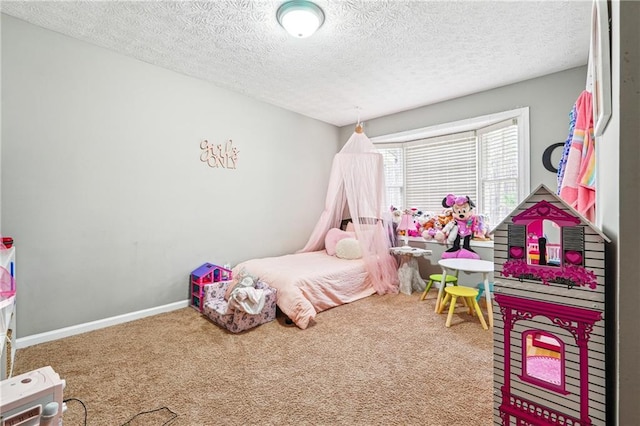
103, 189
549, 98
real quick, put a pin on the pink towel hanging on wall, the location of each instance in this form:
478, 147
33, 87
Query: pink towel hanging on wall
578, 185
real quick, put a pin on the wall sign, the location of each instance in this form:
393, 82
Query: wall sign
219, 156
546, 157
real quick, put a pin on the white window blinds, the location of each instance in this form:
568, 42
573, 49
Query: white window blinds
499, 164
438, 166
487, 163
393, 159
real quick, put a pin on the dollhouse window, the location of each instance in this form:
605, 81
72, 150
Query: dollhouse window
544, 244
546, 236
549, 244
543, 360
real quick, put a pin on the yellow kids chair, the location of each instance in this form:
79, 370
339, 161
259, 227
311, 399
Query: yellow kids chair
466, 293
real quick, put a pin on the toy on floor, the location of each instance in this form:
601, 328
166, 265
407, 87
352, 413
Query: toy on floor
206, 274
550, 365
232, 316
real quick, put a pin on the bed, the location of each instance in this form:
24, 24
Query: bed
310, 282
315, 278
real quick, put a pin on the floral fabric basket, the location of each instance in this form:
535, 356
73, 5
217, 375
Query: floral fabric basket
215, 307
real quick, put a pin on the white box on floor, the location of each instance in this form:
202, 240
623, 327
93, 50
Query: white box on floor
32, 399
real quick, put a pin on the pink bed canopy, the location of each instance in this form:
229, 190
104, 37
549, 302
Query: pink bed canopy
356, 190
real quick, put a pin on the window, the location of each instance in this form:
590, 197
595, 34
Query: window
498, 178
428, 182
486, 158
543, 360
394, 175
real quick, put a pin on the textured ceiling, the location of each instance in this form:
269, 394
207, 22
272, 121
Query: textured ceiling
369, 59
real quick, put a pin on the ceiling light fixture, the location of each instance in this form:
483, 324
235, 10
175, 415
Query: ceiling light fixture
300, 18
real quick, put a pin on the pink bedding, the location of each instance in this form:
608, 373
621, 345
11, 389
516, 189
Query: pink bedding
311, 282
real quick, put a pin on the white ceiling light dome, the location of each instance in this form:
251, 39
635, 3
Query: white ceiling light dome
300, 18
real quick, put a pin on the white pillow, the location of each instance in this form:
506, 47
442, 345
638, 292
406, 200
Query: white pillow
348, 248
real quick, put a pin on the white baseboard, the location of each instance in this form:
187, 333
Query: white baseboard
48, 336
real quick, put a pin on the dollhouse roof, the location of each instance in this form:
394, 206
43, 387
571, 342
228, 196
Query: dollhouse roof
564, 215
547, 210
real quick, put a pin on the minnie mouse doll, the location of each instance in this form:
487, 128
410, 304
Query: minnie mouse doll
467, 224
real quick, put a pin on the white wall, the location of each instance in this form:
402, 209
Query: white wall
549, 98
619, 201
103, 189
0, 131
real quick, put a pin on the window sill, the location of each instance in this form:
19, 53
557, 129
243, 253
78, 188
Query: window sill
474, 243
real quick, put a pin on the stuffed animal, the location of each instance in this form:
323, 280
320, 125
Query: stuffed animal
439, 234
438, 227
450, 231
428, 230
466, 223
396, 214
482, 229
414, 212
430, 227
421, 219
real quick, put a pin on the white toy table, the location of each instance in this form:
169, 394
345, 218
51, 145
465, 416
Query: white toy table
485, 267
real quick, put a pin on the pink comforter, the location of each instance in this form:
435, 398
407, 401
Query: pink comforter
311, 282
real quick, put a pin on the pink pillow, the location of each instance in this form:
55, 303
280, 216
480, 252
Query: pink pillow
333, 236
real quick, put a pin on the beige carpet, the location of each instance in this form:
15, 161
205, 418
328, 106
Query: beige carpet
384, 360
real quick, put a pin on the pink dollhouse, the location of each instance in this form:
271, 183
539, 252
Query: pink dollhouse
206, 274
549, 330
